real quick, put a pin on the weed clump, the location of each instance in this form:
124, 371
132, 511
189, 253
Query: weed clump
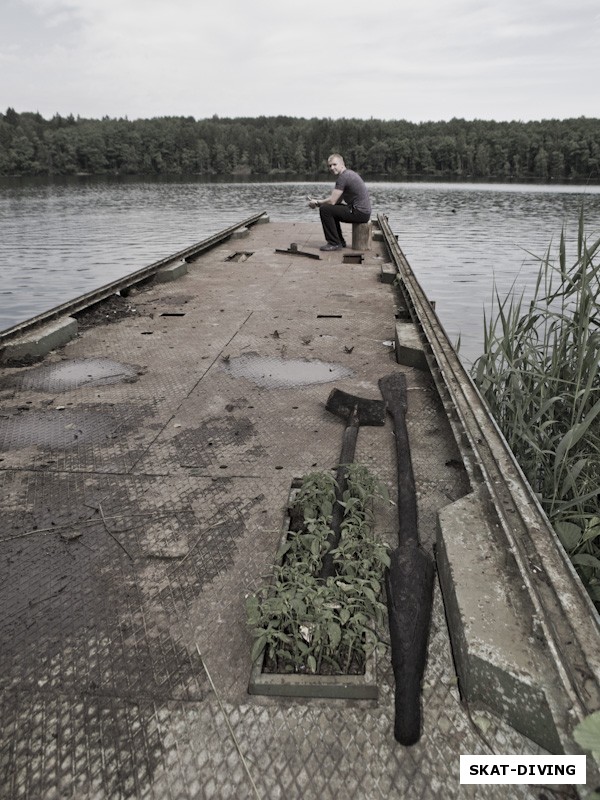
540, 375
309, 625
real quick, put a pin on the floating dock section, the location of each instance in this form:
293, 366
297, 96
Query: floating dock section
146, 460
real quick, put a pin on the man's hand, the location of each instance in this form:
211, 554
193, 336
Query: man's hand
312, 201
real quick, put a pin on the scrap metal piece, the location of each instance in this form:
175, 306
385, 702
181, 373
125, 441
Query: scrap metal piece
355, 411
408, 580
293, 251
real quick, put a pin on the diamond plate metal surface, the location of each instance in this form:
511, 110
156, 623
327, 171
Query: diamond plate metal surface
138, 514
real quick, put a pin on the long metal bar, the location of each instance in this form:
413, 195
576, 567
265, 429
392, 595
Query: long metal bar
568, 618
108, 289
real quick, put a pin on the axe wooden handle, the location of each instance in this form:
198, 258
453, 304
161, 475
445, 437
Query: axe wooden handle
346, 457
355, 411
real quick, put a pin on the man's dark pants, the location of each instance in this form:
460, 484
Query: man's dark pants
331, 216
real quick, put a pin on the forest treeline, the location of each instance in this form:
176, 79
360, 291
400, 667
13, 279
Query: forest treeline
276, 147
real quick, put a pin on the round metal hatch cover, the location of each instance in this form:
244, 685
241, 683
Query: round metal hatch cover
72, 374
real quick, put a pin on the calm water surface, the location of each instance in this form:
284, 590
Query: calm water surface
60, 239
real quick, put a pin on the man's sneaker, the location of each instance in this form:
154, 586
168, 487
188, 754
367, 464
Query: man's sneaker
330, 246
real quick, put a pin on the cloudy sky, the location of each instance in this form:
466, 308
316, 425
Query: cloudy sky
391, 59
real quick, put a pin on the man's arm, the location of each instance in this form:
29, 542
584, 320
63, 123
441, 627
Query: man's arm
333, 199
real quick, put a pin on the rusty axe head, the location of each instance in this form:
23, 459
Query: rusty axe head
359, 410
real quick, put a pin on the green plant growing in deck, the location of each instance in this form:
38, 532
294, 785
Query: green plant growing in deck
540, 375
308, 625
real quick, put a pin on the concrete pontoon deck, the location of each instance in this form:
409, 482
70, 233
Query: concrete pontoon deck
145, 469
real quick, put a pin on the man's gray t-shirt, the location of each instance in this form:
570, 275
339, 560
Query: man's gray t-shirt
354, 191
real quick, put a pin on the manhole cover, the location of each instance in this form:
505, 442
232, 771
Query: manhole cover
277, 373
74, 373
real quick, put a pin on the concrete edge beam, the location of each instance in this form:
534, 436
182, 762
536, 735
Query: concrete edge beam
388, 273
502, 664
241, 233
39, 342
409, 348
171, 272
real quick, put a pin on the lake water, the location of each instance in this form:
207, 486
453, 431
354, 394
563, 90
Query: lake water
63, 238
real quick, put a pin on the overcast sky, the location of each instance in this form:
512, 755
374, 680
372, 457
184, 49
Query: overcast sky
392, 59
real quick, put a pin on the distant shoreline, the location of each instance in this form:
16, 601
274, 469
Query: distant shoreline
287, 148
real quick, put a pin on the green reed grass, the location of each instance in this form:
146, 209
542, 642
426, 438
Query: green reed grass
540, 375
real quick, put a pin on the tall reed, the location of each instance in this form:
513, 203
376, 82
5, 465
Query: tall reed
540, 375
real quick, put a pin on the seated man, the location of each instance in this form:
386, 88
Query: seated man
349, 202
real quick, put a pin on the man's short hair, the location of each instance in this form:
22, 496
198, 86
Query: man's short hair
335, 155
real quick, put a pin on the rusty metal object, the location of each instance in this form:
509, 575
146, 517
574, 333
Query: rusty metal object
293, 251
409, 580
355, 411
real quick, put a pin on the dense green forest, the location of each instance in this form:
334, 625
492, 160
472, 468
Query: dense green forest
276, 147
